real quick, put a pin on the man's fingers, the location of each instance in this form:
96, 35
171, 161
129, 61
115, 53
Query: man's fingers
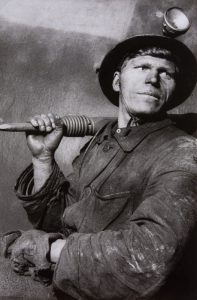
37, 122
29, 272
20, 265
46, 122
16, 265
52, 119
41, 123
33, 121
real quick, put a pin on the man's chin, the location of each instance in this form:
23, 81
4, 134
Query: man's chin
147, 112
151, 116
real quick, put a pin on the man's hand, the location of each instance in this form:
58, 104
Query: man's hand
30, 253
43, 145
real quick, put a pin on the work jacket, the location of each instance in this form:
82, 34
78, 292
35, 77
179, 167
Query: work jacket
126, 211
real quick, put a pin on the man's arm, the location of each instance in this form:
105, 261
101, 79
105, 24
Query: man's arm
44, 145
38, 184
134, 262
42, 171
42, 187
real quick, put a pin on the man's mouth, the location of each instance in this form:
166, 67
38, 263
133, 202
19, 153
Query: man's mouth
149, 93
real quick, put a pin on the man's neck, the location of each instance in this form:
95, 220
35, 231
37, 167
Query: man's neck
131, 120
123, 117
126, 120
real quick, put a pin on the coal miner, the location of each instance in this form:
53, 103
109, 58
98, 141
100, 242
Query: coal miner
117, 226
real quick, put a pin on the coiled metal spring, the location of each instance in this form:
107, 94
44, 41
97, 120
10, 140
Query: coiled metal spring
78, 125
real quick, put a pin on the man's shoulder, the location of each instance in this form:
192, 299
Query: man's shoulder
178, 150
176, 140
177, 136
100, 123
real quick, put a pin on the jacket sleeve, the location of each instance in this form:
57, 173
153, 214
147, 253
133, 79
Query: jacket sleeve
133, 263
45, 207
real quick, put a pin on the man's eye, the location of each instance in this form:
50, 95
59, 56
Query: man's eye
166, 75
142, 67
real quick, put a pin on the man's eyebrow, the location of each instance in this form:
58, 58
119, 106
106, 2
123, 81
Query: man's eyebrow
166, 68
144, 63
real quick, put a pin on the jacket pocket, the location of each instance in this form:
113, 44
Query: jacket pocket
111, 196
102, 211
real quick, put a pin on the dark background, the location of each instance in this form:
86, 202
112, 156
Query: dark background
49, 51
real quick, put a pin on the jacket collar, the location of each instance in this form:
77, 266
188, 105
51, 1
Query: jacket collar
129, 138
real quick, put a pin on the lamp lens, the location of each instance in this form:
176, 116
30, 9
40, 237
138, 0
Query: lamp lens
177, 19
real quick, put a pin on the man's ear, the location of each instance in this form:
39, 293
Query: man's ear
116, 82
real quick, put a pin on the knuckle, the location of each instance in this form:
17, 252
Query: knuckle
44, 117
32, 120
40, 122
51, 115
46, 120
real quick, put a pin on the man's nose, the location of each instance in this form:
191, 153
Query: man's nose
152, 77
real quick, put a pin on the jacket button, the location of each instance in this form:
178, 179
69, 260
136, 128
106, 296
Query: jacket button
107, 147
87, 191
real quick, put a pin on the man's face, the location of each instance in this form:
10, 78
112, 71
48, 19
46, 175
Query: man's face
145, 84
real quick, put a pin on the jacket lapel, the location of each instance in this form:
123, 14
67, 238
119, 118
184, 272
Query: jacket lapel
138, 134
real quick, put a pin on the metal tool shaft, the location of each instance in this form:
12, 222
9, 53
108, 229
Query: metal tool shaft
73, 125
